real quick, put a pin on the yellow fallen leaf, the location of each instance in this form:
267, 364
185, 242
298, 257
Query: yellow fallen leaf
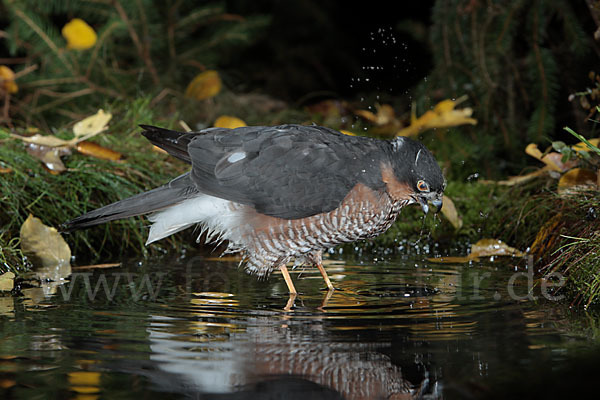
584, 147
449, 211
79, 35
345, 132
7, 80
43, 140
7, 281
95, 150
577, 178
92, 125
533, 151
226, 121
383, 116
204, 86
443, 115
46, 248
83, 130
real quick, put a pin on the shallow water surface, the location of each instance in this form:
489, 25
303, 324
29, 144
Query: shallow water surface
200, 328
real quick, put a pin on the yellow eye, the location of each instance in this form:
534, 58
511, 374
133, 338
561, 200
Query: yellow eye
423, 186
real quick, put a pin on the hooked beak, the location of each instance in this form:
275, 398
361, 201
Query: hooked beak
437, 203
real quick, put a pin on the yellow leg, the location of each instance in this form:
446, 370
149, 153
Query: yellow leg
288, 279
325, 277
291, 288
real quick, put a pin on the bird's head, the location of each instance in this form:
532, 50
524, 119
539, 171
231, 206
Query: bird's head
416, 168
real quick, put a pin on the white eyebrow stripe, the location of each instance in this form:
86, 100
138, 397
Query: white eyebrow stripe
417, 158
235, 157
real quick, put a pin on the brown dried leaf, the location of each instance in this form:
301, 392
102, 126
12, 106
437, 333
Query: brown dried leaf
49, 156
449, 211
577, 179
494, 247
483, 248
47, 249
95, 150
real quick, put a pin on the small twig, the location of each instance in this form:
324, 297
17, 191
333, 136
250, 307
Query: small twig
26, 71
62, 99
15, 60
136, 41
163, 93
97, 47
6, 106
44, 37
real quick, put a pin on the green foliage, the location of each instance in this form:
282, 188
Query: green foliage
89, 183
143, 46
507, 56
577, 247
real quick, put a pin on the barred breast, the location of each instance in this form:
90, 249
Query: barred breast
267, 242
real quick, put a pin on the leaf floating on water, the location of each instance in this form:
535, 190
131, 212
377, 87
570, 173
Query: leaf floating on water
95, 150
226, 121
204, 86
92, 125
49, 156
494, 247
47, 249
7, 281
483, 248
451, 214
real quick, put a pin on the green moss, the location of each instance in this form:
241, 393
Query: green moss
89, 183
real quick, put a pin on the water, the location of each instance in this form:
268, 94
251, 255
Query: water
199, 328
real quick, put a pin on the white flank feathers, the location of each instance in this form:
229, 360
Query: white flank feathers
212, 213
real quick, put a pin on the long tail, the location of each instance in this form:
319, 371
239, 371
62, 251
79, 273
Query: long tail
173, 142
154, 200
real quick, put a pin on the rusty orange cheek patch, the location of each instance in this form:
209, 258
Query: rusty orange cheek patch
397, 190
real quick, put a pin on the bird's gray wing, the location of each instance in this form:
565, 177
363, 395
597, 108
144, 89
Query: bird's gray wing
289, 171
